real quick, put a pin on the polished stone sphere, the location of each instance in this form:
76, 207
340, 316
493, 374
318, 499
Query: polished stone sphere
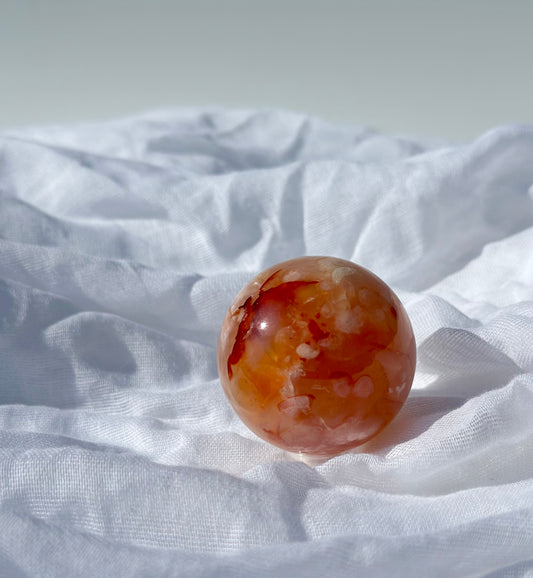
316, 355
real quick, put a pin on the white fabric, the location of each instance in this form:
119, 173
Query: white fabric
121, 246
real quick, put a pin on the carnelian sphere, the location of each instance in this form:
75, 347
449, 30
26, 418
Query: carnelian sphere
316, 355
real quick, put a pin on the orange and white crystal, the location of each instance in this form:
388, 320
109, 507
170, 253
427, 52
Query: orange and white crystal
316, 355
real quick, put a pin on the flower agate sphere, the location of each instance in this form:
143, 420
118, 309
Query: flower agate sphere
316, 355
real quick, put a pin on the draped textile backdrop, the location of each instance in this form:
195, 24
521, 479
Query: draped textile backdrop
122, 244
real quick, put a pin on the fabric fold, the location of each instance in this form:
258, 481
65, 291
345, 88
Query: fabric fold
121, 246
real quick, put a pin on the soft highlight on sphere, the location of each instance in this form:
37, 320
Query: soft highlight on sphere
316, 355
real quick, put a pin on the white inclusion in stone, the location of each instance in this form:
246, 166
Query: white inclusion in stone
306, 351
234, 309
326, 264
397, 390
340, 273
288, 389
295, 405
291, 276
327, 310
349, 321
365, 296
393, 366
363, 387
341, 387
330, 342
361, 430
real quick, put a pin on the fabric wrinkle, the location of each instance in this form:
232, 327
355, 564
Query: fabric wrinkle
123, 243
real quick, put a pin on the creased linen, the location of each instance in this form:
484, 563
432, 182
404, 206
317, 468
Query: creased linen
121, 246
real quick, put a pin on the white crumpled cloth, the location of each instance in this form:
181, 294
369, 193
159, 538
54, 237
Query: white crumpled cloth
121, 246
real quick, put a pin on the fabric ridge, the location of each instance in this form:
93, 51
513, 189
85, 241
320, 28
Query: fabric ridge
123, 243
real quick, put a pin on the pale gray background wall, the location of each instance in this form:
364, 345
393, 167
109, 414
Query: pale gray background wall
449, 68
